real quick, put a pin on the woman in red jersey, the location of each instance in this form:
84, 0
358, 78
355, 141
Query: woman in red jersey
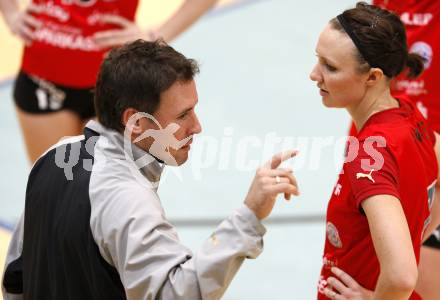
422, 23
380, 208
65, 41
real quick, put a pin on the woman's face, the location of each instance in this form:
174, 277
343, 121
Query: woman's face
336, 72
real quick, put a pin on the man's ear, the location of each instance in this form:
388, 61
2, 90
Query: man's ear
135, 127
375, 75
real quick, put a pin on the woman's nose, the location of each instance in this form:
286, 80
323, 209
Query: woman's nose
314, 74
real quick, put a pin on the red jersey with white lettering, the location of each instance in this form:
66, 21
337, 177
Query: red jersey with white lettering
422, 23
63, 51
395, 157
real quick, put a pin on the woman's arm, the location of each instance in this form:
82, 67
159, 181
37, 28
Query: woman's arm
189, 12
392, 242
8, 7
20, 22
394, 250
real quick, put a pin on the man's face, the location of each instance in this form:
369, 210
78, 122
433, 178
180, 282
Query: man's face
178, 120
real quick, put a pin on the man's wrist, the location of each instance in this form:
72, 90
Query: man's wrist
251, 217
252, 208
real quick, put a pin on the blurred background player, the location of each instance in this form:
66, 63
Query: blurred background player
65, 41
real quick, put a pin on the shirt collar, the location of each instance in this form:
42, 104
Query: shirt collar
119, 147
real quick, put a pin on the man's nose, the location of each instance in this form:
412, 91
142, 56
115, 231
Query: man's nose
197, 128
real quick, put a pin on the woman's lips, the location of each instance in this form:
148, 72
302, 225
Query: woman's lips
323, 92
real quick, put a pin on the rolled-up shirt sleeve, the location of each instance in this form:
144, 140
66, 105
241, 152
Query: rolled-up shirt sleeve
134, 236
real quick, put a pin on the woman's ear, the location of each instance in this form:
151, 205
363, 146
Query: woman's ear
375, 75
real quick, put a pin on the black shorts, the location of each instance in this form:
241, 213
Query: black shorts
434, 240
38, 96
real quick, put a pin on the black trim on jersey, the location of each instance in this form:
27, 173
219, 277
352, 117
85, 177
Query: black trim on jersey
433, 241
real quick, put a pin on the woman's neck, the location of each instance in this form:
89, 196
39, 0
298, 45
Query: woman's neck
373, 102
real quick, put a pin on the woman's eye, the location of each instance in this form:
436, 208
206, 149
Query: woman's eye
330, 68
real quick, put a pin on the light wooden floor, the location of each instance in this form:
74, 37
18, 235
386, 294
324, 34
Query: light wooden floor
4, 241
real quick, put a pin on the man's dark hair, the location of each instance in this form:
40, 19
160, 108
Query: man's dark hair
134, 75
382, 37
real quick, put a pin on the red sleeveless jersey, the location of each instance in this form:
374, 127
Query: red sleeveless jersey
422, 23
63, 51
395, 156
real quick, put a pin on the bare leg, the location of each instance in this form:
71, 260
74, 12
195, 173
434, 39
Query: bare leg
428, 284
40, 131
